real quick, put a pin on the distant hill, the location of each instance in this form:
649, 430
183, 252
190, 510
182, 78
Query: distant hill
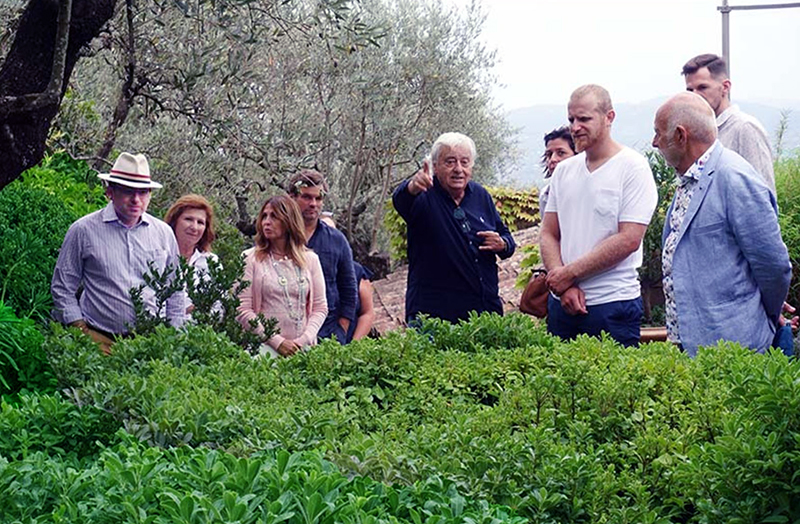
633, 127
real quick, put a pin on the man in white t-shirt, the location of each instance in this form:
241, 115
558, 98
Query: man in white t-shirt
600, 203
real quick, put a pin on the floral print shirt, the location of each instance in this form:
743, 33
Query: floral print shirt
687, 183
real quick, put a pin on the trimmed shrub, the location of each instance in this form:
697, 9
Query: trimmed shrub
586, 431
787, 183
23, 363
71, 181
133, 483
52, 425
32, 228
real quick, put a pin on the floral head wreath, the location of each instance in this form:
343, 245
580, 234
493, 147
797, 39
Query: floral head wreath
306, 182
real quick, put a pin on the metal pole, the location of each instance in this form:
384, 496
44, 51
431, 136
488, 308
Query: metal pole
725, 9
726, 38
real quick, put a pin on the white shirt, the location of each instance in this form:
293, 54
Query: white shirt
590, 206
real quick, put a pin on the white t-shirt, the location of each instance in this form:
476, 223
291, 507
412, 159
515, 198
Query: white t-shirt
590, 207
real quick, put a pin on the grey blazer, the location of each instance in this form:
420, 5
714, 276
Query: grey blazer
731, 269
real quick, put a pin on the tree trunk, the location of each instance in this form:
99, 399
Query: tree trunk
28, 69
359, 169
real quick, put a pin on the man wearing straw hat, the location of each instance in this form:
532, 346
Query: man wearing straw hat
108, 252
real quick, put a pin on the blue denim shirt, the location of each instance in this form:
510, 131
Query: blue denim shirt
448, 276
341, 289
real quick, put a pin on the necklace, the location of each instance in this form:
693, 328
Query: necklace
295, 309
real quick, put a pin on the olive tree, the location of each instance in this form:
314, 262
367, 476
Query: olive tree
231, 108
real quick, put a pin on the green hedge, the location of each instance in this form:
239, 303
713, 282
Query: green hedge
787, 183
580, 432
71, 181
35, 213
23, 363
133, 483
32, 228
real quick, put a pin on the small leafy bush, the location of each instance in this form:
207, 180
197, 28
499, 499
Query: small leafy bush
32, 228
787, 183
53, 425
230, 243
132, 483
71, 181
215, 298
586, 431
23, 362
531, 259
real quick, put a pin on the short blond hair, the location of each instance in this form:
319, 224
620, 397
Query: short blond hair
599, 93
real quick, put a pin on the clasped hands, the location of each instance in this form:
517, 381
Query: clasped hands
793, 320
288, 348
561, 282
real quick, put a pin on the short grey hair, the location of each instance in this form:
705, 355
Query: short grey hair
691, 111
452, 140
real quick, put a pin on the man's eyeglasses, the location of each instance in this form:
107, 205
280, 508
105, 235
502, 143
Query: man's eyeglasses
459, 215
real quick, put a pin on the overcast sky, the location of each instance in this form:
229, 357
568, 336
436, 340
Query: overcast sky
636, 48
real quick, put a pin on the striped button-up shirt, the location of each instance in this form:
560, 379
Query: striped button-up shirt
109, 259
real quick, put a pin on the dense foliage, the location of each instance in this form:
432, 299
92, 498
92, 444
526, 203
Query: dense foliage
228, 101
133, 483
69, 180
579, 432
214, 297
650, 272
787, 184
32, 227
23, 363
35, 213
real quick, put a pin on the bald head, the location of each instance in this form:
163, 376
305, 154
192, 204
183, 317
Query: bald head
685, 128
692, 112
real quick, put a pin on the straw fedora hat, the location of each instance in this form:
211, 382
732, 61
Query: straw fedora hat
132, 171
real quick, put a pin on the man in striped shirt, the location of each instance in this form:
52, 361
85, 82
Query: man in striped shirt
108, 252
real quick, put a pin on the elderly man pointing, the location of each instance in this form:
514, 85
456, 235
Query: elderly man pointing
454, 235
726, 269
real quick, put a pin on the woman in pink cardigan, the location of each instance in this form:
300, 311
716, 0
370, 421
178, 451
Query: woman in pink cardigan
286, 279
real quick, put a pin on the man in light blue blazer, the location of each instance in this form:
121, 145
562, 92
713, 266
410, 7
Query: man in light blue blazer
726, 269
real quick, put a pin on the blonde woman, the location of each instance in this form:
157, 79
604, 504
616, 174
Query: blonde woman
286, 279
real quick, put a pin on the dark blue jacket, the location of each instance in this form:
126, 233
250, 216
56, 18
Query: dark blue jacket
336, 259
447, 275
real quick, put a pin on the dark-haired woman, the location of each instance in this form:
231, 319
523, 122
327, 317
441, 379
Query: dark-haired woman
558, 145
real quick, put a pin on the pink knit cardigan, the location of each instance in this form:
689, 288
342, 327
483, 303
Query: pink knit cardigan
316, 306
